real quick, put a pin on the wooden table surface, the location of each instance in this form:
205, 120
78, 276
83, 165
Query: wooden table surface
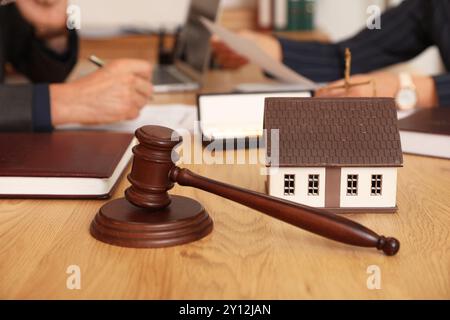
248, 255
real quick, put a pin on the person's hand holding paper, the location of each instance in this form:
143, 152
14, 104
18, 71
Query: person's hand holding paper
261, 51
229, 59
373, 49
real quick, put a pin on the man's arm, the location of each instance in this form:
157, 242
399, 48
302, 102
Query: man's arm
16, 108
27, 107
403, 35
405, 32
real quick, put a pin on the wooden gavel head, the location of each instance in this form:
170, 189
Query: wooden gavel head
148, 217
154, 158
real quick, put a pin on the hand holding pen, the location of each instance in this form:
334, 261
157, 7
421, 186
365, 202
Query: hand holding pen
115, 92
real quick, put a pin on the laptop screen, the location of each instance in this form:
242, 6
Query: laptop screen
193, 47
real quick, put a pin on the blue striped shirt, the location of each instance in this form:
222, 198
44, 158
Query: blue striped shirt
406, 31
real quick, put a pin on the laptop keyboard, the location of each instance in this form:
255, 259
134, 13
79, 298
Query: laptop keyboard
162, 75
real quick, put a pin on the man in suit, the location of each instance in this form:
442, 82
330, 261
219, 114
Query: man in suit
35, 41
406, 31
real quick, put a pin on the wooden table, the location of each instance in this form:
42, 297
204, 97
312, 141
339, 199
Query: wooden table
248, 255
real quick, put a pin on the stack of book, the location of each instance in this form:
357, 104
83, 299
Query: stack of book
286, 15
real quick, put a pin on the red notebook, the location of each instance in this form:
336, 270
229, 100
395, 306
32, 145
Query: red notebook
62, 164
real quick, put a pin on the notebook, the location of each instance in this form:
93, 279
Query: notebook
175, 116
427, 132
236, 115
62, 164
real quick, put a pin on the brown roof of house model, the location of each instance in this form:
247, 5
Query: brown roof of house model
334, 132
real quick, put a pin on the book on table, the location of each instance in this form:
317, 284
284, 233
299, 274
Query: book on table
73, 164
427, 132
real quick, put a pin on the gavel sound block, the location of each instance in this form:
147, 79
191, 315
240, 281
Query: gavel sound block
148, 217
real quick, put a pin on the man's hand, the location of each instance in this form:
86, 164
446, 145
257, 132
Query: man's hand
228, 59
114, 93
46, 16
386, 85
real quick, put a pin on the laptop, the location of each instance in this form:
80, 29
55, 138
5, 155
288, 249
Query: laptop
192, 52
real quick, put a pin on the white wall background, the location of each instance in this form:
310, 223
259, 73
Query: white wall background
339, 19
110, 14
144, 13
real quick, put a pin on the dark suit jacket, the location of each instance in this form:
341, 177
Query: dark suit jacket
19, 107
406, 31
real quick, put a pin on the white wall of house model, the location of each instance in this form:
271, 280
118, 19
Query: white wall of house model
362, 199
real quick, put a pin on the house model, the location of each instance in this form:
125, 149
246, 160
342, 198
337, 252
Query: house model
339, 154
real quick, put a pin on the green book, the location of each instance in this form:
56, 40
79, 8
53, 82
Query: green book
309, 13
301, 15
294, 14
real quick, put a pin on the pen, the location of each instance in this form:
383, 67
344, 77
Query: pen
97, 61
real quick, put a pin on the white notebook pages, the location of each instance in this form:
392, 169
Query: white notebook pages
240, 115
174, 116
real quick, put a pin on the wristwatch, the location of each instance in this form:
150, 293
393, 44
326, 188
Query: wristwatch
406, 97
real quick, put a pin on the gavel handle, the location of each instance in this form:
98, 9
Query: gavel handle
318, 221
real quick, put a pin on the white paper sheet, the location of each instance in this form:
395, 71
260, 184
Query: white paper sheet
257, 56
175, 116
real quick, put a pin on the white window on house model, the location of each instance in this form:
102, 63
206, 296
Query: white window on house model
313, 185
376, 184
352, 185
289, 184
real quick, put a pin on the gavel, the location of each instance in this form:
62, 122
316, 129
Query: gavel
148, 217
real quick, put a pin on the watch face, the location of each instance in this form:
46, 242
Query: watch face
406, 99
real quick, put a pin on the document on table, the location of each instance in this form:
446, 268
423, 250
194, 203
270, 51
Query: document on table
175, 116
257, 56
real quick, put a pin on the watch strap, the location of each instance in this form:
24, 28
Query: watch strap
406, 81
